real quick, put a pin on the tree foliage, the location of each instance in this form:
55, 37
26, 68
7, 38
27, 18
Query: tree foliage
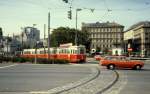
1, 33
63, 35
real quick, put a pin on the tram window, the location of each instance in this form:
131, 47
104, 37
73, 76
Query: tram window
46, 51
60, 51
63, 51
27, 52
51, 51
76, 51
81, 51
41, 52
73, 52
68, 52
54, 51
33, 52
37, 52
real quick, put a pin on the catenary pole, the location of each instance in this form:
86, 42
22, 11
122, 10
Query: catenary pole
49, 35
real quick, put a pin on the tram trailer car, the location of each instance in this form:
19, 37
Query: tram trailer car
74, 54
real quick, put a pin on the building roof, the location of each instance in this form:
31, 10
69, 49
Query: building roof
140, 24
103, 24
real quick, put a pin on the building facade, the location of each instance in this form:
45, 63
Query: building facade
1, 41
104, 35
10, 46
29, 37
137, 37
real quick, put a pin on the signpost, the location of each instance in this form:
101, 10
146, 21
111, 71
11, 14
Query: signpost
130, 49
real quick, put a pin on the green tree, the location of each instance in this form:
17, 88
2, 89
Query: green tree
1, 33
63, 35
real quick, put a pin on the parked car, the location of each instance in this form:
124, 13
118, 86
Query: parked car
112, 62
98, 57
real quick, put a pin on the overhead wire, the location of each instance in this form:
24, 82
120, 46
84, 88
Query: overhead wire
92, 9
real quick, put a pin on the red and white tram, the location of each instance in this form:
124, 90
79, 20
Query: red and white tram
74, 54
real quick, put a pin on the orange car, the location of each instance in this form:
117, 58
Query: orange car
111, 62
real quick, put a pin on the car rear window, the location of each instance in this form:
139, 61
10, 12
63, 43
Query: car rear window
111, 58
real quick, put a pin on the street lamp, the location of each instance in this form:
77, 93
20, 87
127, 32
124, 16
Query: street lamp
49, 16
37, 42
76, 24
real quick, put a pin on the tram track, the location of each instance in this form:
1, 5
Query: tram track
111, 84
59, 90
98, 85
83, 82
85, 85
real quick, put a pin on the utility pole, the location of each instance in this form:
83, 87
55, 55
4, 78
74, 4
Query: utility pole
44, 37
35, 59
49, 35
76, 43
22, 41
7, 44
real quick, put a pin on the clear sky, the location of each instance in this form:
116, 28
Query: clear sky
15, 14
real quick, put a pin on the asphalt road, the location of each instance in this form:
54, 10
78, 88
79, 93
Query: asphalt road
31, 77
132, 81
138, 82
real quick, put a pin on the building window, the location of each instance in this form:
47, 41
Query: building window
93, 35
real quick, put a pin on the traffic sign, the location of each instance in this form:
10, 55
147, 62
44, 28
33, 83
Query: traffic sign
130, 49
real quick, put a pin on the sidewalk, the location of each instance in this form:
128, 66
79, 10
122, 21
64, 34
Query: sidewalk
139, 58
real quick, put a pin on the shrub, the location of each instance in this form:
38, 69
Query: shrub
61, 61
52, 61
19, 59
32, 60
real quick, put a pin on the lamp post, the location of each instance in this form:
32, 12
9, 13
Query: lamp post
44, 38
76, 25
49, 34
7, 42
37, 42
21, 48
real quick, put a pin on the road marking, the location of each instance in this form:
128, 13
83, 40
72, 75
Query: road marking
39, 92
8, 66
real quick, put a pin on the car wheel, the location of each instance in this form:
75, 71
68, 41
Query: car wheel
111, 67
137, 67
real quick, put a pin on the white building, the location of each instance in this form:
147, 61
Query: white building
10, 45
29, 37
104, 35
137, 38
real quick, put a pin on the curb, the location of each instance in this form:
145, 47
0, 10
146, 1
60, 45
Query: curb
57, 90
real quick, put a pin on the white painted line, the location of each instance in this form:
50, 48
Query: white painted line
39, 92
8, 66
